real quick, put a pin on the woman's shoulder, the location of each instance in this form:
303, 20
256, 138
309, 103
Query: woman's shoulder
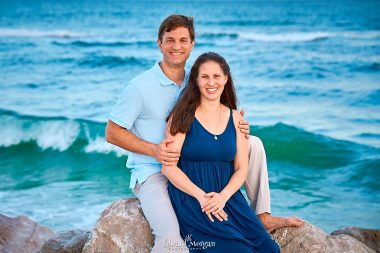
236, 116
228, 109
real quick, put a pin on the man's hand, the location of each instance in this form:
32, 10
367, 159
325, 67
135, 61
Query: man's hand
165, 155
244, 126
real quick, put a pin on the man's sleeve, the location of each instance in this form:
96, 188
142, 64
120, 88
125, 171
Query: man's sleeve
128, 107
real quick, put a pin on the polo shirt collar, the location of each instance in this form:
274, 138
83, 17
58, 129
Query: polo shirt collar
164, 80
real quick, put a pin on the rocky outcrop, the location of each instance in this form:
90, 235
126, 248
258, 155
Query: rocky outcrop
71, 241
21, 234
122, 227
310, 239
369, 237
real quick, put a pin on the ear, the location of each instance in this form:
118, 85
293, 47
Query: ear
192, 44
225, 80
159, 44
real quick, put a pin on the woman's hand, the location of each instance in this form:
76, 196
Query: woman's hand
203, 199
219, 215
215, 203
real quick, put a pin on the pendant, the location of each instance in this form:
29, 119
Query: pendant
215, 137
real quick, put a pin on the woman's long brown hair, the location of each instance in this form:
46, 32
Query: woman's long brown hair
183, 112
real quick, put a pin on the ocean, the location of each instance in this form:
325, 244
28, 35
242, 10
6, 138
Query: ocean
307, 74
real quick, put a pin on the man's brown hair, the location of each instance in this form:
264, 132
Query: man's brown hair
174, 21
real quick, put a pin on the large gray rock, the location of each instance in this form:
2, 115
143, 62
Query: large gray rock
310, 239
122, 228
71, 241
369, 237
21, 234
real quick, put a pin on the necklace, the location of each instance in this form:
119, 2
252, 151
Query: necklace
220, 112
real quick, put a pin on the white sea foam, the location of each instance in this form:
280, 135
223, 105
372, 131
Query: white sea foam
5, 32
99, 145
360, 34
55, 134
284, 37
307, 36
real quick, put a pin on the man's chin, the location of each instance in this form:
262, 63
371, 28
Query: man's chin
178, 63
175, 60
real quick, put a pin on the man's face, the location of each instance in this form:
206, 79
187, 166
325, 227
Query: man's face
176, 46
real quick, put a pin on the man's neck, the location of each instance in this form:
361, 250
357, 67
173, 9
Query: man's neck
174, 73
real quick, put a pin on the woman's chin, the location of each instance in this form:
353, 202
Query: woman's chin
211, 97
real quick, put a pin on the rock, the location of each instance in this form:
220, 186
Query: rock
369, 237
71, 241
21, 234
309, 238
122, 227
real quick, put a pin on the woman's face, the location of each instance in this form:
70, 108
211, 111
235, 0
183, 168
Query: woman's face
211, 80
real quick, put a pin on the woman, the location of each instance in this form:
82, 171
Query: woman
205, 186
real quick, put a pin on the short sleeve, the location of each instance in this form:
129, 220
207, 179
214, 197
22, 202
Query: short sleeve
128, 107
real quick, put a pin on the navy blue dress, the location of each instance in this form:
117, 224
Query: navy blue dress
209, 164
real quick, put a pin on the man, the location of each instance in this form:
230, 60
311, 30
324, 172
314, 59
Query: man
137, 124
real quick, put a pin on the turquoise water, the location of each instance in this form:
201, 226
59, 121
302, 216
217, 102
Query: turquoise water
307, 75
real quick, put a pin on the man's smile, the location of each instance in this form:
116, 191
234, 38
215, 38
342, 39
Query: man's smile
176, 53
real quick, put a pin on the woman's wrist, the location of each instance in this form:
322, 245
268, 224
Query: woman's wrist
200, 195
226, 194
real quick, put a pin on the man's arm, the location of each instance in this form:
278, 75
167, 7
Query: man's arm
124, 139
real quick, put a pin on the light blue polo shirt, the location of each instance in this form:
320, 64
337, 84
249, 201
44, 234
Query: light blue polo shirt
142, 108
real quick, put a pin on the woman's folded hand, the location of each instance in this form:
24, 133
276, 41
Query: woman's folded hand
215, 203
221, 216
203, 200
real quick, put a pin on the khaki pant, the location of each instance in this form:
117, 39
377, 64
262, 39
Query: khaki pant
155, 202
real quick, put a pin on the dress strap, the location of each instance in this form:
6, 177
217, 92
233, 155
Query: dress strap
231, 118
